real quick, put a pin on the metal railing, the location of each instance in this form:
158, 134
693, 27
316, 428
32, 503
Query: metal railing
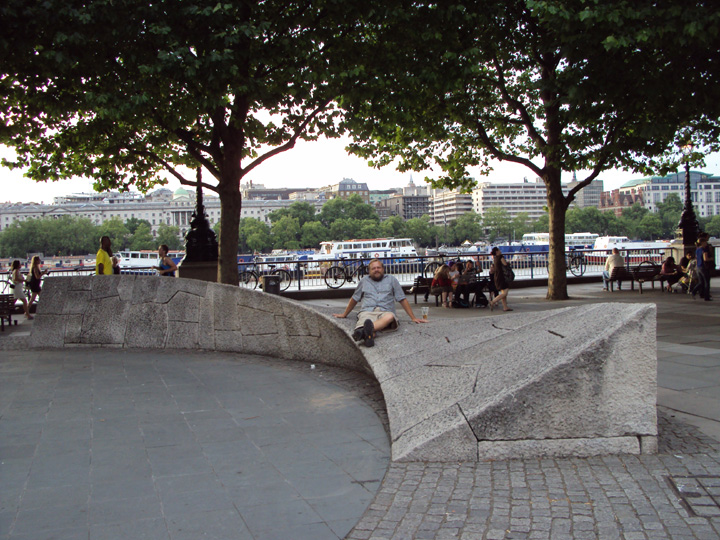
312, 274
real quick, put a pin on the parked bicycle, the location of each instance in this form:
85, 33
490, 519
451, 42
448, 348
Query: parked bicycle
576, 262
336, 276
249, 278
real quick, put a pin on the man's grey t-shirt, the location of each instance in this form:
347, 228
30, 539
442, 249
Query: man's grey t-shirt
379, 294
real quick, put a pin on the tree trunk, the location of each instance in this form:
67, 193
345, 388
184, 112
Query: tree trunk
557, 271
230, 206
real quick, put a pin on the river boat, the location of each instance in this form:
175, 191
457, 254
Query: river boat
145, 259
369, 248
540, 242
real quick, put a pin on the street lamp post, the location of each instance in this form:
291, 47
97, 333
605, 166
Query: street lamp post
688, 221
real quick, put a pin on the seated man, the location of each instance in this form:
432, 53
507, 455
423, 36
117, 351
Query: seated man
378, 293
469, 283
612, 261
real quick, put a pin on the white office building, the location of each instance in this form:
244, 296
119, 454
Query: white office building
448, 205
704, 191
526, 197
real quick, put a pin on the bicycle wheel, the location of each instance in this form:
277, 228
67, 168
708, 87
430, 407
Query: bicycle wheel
248, 280
431, 268
335, 277
5, 287
285, 279
577, 265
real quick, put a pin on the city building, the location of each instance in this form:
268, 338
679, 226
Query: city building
653, 190
409, 202
448, 205
347, 187
378, 195
160, 206
527, 197
616, 201
589, 196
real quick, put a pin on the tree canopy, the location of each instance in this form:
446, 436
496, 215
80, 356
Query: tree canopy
120, 91
552, 85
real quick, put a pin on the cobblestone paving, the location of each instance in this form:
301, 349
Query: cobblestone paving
605, 498
610, 497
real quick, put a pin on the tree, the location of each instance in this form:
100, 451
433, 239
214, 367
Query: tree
142, 239
352, 208
590, 219
670, 211
713, 226
121, 91
650, 227
520, 225
420, 230
254, 235
169, 235
468, 227
133, 223
496, 220
301, 210
115, 229
286, 233
313, 232
555, 86
393, 227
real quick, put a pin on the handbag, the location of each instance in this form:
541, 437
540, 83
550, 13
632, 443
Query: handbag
508, 273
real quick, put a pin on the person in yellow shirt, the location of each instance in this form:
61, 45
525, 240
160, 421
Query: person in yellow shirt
103, 261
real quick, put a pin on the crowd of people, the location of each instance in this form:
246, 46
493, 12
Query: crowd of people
456, 283
690, 275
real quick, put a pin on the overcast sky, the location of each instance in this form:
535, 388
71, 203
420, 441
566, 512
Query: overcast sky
309, 164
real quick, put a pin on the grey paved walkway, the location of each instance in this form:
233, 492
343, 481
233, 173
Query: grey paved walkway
673, 495
108, 444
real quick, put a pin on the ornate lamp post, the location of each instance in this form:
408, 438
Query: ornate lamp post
688, 221
201, 247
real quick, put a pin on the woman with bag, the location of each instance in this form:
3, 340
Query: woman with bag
18, 282
35, 279
503, 276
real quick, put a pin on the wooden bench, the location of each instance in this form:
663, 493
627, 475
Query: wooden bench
421, 285
640, 273
7, 308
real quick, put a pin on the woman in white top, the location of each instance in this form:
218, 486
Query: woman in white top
18, 282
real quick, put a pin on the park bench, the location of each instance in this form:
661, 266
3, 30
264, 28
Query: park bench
7, 308
421, 285
646, 271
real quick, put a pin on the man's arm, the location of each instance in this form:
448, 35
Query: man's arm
406, 306
351, 305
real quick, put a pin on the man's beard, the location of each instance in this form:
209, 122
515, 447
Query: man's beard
378, 278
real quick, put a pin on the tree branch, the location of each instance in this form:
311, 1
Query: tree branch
291, 142
171, 169
516, 105
503, 156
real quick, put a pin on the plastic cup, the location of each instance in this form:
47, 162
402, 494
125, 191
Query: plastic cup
425, 311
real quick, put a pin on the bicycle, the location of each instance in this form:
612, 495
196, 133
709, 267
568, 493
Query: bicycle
336, 276
576, 262
249, 279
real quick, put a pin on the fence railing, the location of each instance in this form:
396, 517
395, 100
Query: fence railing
345, 273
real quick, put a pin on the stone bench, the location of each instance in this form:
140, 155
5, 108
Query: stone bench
571, 381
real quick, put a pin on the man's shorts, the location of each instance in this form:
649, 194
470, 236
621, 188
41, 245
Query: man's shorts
374, 315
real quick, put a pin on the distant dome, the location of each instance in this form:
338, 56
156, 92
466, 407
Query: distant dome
181, 192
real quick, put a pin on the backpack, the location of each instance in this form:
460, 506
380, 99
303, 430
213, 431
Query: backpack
481, 300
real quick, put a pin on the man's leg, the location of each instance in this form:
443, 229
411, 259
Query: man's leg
384, 321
